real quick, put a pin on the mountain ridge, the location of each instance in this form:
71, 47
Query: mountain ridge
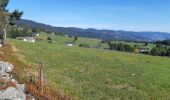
97, 33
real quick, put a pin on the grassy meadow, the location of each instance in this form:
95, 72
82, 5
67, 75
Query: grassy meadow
97, 74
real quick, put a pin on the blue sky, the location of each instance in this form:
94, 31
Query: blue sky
135, 15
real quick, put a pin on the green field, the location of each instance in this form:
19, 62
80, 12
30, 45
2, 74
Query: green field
97, 74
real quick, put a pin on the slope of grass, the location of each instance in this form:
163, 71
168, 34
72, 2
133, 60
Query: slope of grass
96, 74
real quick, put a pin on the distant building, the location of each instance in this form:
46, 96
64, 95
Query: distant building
69, 44
36, 34
66, 36
145, 50
27, 39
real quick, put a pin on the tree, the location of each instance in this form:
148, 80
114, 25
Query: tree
3, 24
155, 51
120, 47
49, 38
75, 39
164, 42
168, 52
14, 32
34, 30
7, 18
136, 46
3, 4
128, 48
146, 44
14, 16
159, 50
112, 46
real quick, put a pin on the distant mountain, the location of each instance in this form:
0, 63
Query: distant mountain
94, 33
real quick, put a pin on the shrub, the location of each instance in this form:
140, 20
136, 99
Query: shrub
49, 38
84, 45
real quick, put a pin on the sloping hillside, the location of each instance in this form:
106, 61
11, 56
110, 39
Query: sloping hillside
96, 74
23, 73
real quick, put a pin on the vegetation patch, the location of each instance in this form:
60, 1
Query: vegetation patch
26, 74
88, 74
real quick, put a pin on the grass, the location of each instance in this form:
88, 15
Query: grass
96, 74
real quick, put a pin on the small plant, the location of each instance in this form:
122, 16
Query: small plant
84, 45
49, 39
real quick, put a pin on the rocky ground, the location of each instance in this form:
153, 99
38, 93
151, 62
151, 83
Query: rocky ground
9, 87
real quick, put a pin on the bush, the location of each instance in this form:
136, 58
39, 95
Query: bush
84, 45
49, 38
121, 47
160, 50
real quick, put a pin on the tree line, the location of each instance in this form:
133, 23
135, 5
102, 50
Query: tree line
120, 47
158, 50
19, 32
164, 42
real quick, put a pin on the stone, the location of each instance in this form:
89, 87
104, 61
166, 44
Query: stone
20, 87
1, 51
14, 81
12, 94
6, 67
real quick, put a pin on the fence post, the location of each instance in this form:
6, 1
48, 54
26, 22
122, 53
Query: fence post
40, 78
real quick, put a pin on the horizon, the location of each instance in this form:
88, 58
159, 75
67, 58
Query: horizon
130, 15
97, 28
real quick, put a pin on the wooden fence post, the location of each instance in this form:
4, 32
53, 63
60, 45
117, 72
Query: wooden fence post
40, 78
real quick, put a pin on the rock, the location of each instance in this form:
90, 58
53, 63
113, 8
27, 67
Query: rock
31, 97
6, 67
14, 81
12, 94
20, 87
1, 52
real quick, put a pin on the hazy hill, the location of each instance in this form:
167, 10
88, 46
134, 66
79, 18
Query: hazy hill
102, 34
